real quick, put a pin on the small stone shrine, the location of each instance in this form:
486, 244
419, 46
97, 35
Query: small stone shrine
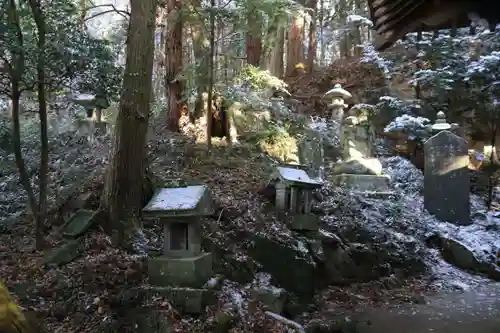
183, 269
446, 175
294, 190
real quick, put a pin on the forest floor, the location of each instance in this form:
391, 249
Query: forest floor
84, 295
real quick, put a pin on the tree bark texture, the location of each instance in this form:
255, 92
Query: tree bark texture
274, 50
313, 42
295, 45
123, 196
201, 53
16, 70
173, 56
254, 37
42, 112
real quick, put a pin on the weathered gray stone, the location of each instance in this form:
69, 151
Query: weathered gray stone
446, 178
291, 265
357, 138
294, 189
304, 222
272, 298
180, 202
311, 153
362, 166
185, 272
362, 182
64, 254
188, 300
78, 223
459, 254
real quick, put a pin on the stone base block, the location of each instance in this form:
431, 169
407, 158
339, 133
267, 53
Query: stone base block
362, 182
180, 272
187, 300
304, 222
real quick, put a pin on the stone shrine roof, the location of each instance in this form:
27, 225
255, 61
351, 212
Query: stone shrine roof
296, 177
180, 201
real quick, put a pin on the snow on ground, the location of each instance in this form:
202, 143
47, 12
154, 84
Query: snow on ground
482, 237
404, 217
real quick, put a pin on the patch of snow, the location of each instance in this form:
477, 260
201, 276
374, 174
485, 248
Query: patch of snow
84, 97
295, 175
171, 199
359, 20
407, 123
263, 281
403, 221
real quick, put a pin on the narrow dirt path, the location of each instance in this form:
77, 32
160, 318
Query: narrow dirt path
473, 311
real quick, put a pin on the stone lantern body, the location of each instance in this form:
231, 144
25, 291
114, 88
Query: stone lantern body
338, 96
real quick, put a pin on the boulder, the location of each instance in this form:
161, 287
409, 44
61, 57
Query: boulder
291, 264
459, 254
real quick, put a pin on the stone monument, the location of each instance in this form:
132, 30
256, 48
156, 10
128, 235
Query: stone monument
311, 153
294, 190
446, 175
337, 106
359, 169
183, 269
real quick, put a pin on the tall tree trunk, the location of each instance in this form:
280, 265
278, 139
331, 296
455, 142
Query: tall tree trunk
42, 111
201, 53
173, 56
254, 37
123, 194
276, 64
295, 46
16, 71
313, 42
211, 75
274, 49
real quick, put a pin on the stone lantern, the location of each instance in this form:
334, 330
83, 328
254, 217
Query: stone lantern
441, 124
338, 96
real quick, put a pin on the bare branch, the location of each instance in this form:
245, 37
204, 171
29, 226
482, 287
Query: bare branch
122, 13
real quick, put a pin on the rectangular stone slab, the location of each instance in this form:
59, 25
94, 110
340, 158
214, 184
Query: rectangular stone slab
446, 178
363, 182
78, 223
182, 272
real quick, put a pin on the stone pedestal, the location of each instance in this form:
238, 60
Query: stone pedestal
305, 222
183, 272
363, 182
188, 300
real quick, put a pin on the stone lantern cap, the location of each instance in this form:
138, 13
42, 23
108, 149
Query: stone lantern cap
441, 124
337, 92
